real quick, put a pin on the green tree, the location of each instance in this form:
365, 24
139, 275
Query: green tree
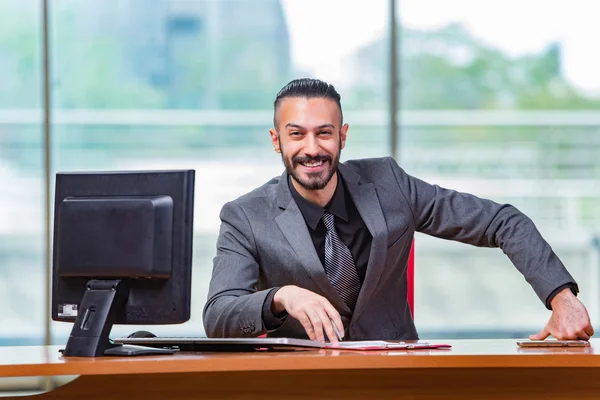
449, 68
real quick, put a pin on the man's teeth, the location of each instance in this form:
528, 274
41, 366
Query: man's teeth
313, 164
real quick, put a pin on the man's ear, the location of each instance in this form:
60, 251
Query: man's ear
343, 133
275, 140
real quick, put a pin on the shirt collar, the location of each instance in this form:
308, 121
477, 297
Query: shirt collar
312, 213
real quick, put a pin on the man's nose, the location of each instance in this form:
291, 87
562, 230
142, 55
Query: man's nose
311, 146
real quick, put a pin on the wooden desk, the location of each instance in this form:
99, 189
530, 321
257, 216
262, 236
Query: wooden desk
473, 369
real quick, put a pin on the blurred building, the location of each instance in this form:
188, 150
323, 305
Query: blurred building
203, 54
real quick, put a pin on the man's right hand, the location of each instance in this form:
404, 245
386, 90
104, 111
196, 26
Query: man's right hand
314, 312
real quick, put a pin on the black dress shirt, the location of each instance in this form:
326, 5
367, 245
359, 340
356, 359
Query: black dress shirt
350, 227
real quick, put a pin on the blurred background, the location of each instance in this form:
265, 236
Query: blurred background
497, 98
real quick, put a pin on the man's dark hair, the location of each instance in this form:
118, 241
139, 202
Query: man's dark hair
308, 88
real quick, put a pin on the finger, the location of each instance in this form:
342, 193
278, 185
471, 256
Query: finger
305, 321
543, 334
327, 326
568, 334
317, 324
573, 334
334, 315
589, 330
583, 335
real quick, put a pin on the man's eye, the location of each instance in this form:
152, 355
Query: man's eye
294, 133
325, 133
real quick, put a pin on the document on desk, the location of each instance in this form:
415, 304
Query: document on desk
385, 345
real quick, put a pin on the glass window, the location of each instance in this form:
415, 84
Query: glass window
22, 236
148, 84
508, 114
503, 104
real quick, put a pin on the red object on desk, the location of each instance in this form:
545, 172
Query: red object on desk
410, 279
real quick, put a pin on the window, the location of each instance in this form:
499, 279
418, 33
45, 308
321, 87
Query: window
22, 215
191, 85
511, 115
508, 114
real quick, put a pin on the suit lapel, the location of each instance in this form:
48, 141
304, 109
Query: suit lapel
367, 203
294, 228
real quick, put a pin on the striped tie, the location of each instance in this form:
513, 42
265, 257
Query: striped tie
339, 265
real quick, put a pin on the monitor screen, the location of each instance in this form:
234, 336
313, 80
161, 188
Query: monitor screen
122, 253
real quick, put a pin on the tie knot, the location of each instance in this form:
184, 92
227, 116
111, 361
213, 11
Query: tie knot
328, 220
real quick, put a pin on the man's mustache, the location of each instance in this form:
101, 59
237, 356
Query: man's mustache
308, 159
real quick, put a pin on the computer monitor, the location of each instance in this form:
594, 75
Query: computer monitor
122, 254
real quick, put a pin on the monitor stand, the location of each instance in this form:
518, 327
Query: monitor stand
102, 302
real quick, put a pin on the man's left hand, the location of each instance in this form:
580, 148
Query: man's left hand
569, 320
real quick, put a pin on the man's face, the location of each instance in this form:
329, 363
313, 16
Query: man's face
310, 139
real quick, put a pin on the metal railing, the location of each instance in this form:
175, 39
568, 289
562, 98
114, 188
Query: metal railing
407, 118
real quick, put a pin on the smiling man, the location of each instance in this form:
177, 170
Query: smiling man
327, 243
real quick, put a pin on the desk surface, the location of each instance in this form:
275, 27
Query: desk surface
47, 361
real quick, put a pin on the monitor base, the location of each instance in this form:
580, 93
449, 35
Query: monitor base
133, 350
102, 302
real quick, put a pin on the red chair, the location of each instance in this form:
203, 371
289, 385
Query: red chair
410, 279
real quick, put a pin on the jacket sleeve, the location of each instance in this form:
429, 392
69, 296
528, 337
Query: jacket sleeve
463, 217
234, 306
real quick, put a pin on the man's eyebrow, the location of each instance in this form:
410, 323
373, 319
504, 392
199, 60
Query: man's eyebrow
292, 125
326, 126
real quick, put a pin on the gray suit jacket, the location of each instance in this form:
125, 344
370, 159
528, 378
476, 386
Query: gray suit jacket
264, 243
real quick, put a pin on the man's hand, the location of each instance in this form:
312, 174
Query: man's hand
314, 312
569, 320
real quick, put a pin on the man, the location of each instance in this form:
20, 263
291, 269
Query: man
328, 243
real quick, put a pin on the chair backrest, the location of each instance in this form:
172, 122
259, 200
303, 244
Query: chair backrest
410, 279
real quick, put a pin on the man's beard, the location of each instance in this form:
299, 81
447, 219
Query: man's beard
314, 180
